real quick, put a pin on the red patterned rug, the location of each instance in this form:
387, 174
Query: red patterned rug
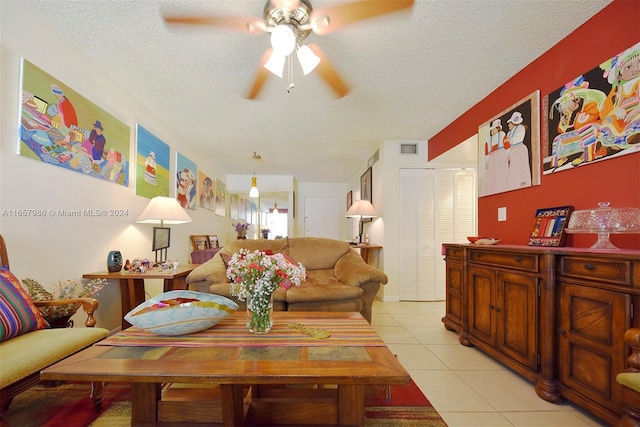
68, 405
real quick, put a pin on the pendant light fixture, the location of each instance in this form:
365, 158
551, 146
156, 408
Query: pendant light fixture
254, 193
275, 208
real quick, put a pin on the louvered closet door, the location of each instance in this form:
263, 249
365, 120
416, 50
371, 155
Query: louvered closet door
437, 206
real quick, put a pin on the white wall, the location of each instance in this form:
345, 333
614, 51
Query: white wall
48, 248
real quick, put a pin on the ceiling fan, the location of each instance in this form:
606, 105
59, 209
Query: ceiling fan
290, 22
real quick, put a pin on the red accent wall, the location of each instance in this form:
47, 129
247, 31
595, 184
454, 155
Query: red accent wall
617, 181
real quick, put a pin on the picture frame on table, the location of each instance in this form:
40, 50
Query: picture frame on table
549, 226
161, 238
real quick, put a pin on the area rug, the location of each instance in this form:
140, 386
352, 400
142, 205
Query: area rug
68, 405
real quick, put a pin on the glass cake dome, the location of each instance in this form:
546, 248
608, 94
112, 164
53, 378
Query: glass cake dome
603, 221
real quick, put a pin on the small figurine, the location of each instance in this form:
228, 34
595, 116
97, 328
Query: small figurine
127, 265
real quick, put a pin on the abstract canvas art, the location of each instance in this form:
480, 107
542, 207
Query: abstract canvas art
595, 116
60, 127
186, 183
509, 148
152, 164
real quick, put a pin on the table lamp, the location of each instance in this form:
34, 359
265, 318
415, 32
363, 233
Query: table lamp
162, 210
361, 209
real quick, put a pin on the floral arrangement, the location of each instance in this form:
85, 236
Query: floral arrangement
63, 289
241, 226
254, 276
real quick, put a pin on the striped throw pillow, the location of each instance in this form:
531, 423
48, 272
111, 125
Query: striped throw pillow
18, 315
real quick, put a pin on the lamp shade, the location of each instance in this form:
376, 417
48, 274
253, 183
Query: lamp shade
362, 209
283, 39
253, 193
163, 210
308, 60
275, 64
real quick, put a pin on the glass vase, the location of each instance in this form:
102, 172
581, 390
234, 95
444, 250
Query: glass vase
259, 313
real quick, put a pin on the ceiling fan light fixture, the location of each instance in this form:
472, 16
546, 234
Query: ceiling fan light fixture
275, 64
308, 59
283, 39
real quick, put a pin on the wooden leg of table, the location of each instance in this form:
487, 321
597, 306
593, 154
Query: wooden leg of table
132, 294
364, 253
178, 283
232, 404
144, 403
351, 405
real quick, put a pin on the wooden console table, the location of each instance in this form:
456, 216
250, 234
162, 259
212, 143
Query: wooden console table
132, 284
557, 316
364, 250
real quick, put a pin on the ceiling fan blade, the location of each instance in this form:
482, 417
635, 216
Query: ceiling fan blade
261, 75
345, 14
285, 4
328, 73
247, 24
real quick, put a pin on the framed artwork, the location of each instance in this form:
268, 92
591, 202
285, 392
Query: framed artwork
349, 199
509, 148
152, 164
365, 186
221, 198
549, 226
161, 238
242, 208
233, 206
594, 117
186, 183
60, 127
207, 187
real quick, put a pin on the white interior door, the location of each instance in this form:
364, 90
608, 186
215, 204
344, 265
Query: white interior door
437, 206
321, 217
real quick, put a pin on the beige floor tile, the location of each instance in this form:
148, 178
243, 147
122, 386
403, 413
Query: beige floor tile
474, 419
433, 335
448, 393
395, 334
383, 319
545, 419
410, 319
459, 357
506, 391
416, 356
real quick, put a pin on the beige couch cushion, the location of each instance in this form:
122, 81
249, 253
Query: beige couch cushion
317, 253
321, 285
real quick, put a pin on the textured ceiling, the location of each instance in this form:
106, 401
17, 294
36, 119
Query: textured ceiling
411, 74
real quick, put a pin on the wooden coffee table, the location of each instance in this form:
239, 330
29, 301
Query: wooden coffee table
254, 383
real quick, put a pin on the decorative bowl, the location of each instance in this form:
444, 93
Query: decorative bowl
473, 239
180, 312
487, 241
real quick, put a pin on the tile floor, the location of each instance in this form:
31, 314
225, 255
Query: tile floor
467, 387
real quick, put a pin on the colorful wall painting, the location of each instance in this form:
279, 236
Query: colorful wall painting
233, 206
186, 183
596, 116
509, 148
221, 198
207, 196
61, 127
152, 164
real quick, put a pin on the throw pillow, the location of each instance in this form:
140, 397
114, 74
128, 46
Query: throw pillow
18, 315
286, 283
225, 258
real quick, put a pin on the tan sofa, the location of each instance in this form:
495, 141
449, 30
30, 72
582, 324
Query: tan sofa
337, 277
630, 380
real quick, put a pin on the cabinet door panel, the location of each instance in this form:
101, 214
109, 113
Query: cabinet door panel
454, 292
481, 297
516, 307
592, 350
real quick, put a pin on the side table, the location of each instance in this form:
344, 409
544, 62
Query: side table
364, 250
132, 284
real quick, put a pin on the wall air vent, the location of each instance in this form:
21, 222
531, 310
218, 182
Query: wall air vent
374, 158
408, 148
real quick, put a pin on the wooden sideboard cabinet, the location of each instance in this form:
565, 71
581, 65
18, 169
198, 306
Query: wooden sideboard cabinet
556, 316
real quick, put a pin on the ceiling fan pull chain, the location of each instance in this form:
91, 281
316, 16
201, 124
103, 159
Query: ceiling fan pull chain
291, 85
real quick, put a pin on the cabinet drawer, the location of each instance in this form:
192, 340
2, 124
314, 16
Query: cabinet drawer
511, 260
454, 252
608, 270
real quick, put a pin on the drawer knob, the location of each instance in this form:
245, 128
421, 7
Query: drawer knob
518, 259
589, 266
562, 332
